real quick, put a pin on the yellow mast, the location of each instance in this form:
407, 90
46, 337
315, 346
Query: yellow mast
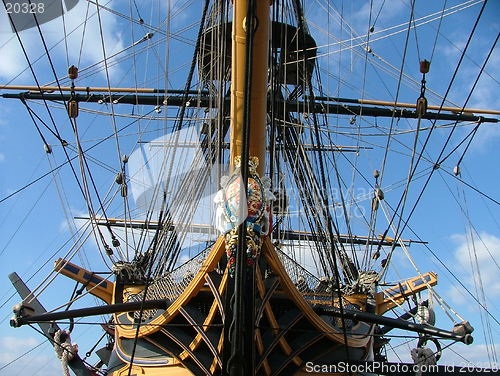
258, 94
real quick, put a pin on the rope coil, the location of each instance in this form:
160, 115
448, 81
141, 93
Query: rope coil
64, 349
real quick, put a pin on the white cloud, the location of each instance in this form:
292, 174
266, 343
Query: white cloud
486, 96
92, 47
485, 92
456, 295
12, 55
453, 51
476, 263
459, 354
467, 355
2, 157
73, 224
14, 62
40, 361
14, 343
388, 11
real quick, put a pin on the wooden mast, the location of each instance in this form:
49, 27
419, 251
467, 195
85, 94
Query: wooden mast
249, 69
258, 97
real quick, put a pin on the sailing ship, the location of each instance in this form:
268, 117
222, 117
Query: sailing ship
229, 215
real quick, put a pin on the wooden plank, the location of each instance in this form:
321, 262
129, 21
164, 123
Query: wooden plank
211, 314
96, 285
191, 291
290, 290
201, 332
272, 319
213, 367
260, 349
393, 296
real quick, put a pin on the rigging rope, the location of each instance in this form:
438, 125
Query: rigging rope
437, 165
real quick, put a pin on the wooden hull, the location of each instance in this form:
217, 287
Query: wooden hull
188, 337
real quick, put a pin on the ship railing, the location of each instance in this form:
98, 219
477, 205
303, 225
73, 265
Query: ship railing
309, 285
171, 284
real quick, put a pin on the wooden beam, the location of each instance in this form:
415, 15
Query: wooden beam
94, 284
84, 89
272, 320
395, 295
409, 105
87, 89
205, 101
346, 239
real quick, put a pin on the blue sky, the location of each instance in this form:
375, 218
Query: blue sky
34, 224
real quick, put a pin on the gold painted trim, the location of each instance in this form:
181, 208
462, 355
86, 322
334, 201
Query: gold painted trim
302, 304
272, 319
191, 290
260, 349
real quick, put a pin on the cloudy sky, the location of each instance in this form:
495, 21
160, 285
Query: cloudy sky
461, 226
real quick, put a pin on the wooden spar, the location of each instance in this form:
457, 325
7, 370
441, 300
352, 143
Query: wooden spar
295, 107
76, 364
225, 145
258, 97
51, 89
286, 235
410, 105
164, 304
249, 67
430, 107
